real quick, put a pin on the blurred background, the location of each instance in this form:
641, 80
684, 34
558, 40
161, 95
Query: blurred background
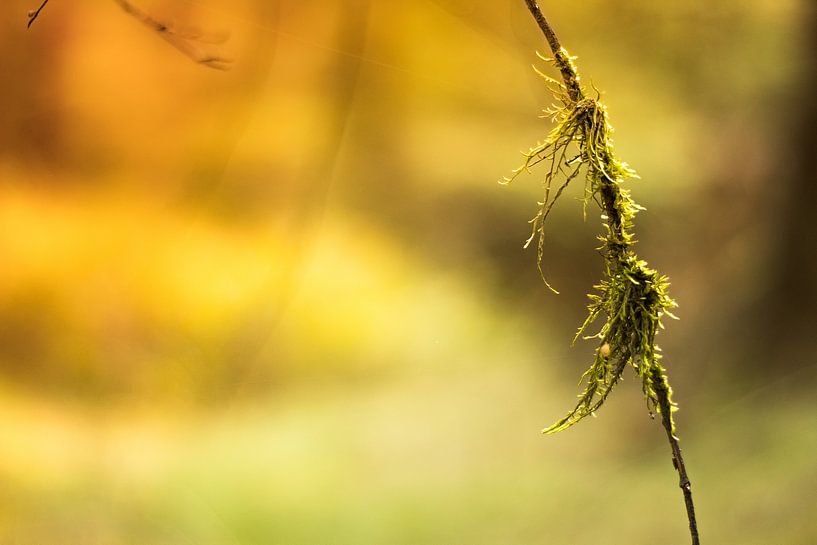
288, 303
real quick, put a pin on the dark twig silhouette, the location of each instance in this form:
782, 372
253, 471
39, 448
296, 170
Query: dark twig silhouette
33, 14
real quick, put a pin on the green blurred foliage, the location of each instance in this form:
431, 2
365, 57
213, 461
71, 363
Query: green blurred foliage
288, 303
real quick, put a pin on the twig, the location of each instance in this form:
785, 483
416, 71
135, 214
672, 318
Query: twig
573, 87
677, 459
547, 30
33, 14
183, 41
617, 228
188, 43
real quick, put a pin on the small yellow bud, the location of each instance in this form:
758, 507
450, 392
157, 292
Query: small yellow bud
604, 350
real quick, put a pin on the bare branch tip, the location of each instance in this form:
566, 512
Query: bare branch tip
34, 13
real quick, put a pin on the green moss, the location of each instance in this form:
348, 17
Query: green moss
631, 297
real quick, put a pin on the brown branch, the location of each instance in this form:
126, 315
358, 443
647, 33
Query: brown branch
547, 30
187, 42
33, 14
665, 405
571, 83
615, 223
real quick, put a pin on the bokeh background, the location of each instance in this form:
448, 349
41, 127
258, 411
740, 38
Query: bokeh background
288, 303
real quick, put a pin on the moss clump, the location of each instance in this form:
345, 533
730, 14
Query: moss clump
632, 297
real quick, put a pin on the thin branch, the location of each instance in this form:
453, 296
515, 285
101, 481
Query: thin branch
573, 88
33, 14
187, 42
677, 460
547, 30
617, 228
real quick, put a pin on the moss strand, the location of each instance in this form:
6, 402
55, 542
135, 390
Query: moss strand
633, 297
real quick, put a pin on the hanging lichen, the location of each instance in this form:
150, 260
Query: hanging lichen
631, 296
